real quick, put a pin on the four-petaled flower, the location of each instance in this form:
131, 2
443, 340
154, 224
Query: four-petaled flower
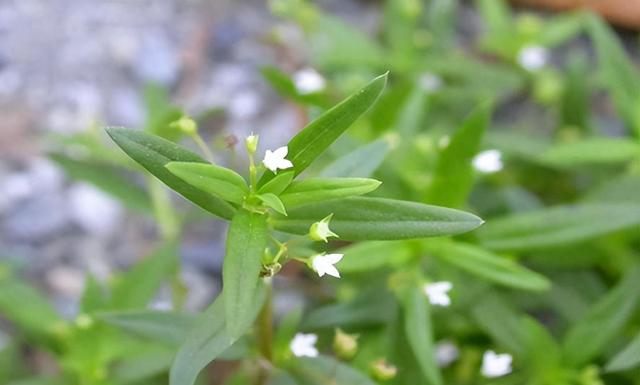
488, 161
437, 292
276, 160
495, 365
304, 345
323, 264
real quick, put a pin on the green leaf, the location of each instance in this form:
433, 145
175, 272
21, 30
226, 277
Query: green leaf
165, 327
246, 241
621, 77
272, 201
149, 364
371, 307
489, 266
135, 288
622, 189
360, 163
603, 322
501, 322
286, 331
160, 113
591, 151
626, 359
453, 175
278, 184
363, 218
153, 153
323, 189
25, 307
213, 179
210, 338
316, 137
107, 178
557, 226
94, 296
366, 256
417, 325
325, 370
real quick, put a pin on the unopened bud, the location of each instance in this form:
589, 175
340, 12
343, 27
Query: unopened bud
252, 143
382, 371
186, 125
345, 345
319, 231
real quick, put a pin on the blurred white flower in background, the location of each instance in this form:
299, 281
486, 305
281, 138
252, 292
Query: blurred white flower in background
323, 264
496, 365
446, 353
274, 160
308, 81
488, 161
533, 57
304, 345
430, 82
438, 293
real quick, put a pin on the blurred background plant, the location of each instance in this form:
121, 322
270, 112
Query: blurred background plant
525, 118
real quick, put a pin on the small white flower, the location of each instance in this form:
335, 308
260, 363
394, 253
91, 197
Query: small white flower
430, 82
533, 57
276, 160
495, 365
446, 353
323, 264
304, 345
437, 293
488, 161
308, 81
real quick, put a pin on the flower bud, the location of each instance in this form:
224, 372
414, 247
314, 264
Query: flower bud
345, 345
319, 231
382, 371
186, 125
252, 143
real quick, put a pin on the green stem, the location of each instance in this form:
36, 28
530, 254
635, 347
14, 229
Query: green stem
253, 174
202, 146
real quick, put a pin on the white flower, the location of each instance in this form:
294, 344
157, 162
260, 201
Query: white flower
308, 81
446, 353
488, 161
495, 365
430, 82
533, 57
304, 345
323, 264
438, 293
275, 160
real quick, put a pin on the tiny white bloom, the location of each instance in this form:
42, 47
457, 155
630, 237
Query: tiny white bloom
319, 231
495, 365
308, 81
533, 57
304, 345
446, 353
437, 293
323, 264
430, 82
276, 160
488, 161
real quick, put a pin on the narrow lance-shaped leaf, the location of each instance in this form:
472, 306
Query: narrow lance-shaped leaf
210, 338
417, 326
246, 241
359, 163
453, 175
139, 285
324, 370
628, 358
591, 151
587, 338
278, 184
153, 153
363, 218
160, 326
366, 256
216, 180
316, 137
487, 265
557, 225
272, 201
322, 189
